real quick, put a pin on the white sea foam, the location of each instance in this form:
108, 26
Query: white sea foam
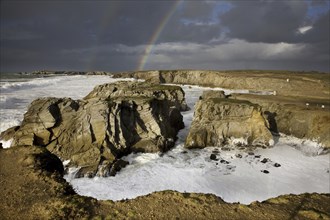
232, 178
72, 172
6, 144
66, 162
37, 82
308, 147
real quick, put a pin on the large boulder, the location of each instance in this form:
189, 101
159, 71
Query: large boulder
221, 120
95, 133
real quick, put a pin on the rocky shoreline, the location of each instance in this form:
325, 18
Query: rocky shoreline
113, 120
299, 104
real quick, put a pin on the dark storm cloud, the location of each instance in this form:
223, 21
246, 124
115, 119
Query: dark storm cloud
39, 31
275, 21
199, 10
319, 32
265, 21
72, 24
113, 35
280, 21
322, 3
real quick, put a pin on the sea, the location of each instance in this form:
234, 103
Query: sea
292, 166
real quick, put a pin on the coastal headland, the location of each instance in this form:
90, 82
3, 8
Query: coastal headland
117, 119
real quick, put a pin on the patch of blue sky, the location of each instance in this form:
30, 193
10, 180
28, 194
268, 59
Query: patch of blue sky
316, 10
220, 7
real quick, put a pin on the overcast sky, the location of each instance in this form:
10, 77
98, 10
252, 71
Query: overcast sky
135, 35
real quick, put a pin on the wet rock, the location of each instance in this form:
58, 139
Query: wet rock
265, 171
265, 160
221, 120
277, 165
117, 166
257, 156
213, 157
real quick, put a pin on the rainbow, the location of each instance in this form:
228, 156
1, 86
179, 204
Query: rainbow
156, 35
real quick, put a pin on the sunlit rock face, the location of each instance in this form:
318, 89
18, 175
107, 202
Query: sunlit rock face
220, 120
174, 95
312, 85
299, 117
112, 121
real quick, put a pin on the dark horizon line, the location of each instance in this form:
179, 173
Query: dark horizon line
215, 70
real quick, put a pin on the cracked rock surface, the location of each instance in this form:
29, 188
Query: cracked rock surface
110, 122
219, 120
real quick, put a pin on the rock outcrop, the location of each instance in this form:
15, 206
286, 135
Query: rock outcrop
219, 120
173, 95
112, 121
291, 116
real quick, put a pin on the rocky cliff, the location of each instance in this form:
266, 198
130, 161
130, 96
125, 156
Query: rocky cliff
300, 117
300, 84
219, 120
112, 121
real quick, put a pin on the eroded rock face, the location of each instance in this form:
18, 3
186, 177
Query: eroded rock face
291, 116
222, 120
95, 133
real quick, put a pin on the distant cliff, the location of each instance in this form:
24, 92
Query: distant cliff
301, 84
